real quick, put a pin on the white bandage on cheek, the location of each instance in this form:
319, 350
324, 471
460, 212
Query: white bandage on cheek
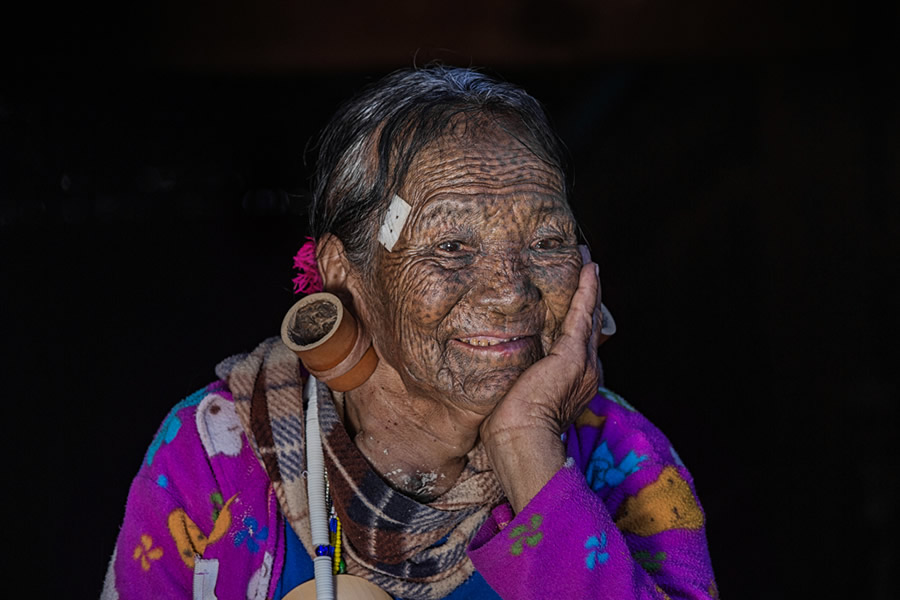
394, 221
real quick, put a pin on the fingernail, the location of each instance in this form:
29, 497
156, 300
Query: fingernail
585, 254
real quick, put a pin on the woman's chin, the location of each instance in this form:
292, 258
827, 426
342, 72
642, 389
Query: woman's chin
487, 391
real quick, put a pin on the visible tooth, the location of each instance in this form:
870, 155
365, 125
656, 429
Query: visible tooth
486, 342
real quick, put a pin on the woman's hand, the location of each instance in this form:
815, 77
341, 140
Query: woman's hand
522, 435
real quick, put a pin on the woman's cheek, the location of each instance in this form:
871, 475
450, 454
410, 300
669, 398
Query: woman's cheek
433, 292
428, 295
559, 281
427, 302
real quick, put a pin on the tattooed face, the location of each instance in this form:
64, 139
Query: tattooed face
477, 285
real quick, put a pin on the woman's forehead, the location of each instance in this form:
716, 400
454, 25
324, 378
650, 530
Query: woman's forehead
480, 205
487, 215
491, 164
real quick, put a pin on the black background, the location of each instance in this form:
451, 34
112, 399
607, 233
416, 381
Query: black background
737, 176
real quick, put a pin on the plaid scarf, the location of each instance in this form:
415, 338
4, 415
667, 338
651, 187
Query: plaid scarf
411, 550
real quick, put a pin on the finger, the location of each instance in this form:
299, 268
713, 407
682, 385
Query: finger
579, 324
598, 320
585, 254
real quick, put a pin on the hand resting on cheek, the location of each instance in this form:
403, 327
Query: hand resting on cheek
522, 435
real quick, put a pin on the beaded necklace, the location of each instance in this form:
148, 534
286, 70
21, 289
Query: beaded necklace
338, 565
325, 526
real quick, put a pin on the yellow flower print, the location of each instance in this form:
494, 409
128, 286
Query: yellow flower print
146, 552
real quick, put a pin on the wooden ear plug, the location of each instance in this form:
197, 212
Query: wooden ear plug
332, 344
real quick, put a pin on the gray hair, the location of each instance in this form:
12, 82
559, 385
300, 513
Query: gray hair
365, 151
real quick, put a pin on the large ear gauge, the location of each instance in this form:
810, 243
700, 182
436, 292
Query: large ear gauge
332, 344
607, 324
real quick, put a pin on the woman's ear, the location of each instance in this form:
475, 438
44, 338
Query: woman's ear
338, 277
341, 279
332, 262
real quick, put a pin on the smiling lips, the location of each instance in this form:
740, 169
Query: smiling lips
487, 341
483, 341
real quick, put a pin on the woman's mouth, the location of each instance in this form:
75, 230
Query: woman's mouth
483, 341
517, 348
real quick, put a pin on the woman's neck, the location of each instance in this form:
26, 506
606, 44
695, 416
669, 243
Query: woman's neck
417, 445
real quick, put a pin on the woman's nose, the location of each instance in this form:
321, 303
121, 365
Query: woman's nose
507, 286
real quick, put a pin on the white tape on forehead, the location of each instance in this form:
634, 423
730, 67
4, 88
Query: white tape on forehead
394, 221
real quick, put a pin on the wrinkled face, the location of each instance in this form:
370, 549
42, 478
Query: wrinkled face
477, 286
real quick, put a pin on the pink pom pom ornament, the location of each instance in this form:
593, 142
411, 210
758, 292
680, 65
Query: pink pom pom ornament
308, 279
332, 344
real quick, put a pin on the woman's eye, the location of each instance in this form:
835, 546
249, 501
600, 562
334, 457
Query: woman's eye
547, 244
451, 246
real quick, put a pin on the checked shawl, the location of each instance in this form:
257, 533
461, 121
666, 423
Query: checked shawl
409, 549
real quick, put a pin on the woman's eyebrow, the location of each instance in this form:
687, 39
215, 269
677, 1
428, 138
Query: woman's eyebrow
456, 204
554, 208
444, 209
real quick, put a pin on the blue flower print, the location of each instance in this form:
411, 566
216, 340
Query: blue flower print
172, 424
251, 533
602, 469
594, 546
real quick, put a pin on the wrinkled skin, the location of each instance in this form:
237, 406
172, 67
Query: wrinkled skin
485, 317
489, 251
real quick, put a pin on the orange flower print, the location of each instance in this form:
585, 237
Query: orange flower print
146, 552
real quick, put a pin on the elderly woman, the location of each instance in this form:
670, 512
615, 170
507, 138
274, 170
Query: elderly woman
460, 448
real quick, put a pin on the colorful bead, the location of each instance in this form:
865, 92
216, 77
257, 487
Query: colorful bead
324, 551
338, 562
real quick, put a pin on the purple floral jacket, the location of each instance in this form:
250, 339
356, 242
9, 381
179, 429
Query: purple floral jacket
620, 520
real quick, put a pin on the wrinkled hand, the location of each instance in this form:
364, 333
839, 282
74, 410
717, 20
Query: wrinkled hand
554, 390
522, 435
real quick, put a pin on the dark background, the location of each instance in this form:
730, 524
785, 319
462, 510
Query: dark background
737, 175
